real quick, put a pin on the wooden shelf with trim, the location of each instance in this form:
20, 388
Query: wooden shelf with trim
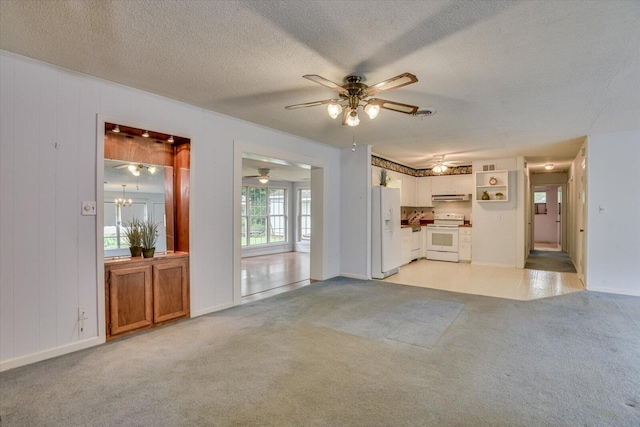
501, 185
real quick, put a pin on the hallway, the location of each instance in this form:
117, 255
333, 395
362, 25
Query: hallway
549, 260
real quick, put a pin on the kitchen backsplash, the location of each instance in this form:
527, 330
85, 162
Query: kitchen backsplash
417, 213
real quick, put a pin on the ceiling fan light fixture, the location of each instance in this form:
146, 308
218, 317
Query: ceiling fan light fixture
263, 179
443, 168
437, 169
151, 169
353, 119
372, 110
549, 167
334, 109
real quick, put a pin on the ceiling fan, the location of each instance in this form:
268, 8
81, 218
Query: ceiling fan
356, 94
438, 166
263, 176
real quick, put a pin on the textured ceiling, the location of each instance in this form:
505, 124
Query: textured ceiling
508, 78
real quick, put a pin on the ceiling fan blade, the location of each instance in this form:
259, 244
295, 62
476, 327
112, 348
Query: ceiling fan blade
326, 83
392, 83
394, 106
309, 104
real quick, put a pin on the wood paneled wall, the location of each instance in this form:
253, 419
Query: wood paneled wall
137, 149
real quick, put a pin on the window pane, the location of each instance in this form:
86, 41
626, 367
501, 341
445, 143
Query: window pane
243, 210
257, 230
243, 233
278, 230
257, 201
540, 197
110, 226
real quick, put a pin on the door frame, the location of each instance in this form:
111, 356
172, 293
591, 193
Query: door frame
319, 189
563, 214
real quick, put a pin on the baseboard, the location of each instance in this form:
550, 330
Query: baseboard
618, 291
28, 359
219, 307
355, 276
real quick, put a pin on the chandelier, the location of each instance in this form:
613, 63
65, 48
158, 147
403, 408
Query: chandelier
123, 201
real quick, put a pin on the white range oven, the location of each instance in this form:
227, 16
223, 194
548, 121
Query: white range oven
442, 237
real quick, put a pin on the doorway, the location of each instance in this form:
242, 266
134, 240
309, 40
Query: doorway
547, 218
317, 183
275, 226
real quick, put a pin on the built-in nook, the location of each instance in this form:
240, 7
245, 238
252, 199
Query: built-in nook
152, 172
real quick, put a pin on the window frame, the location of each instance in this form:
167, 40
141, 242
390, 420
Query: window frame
246, 216
299, 228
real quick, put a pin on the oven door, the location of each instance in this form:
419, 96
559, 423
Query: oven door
442, 239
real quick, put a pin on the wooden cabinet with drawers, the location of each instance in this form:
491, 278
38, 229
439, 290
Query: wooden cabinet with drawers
144, 293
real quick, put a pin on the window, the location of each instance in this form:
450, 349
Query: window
540, 202
115, 217
304, 214
264, 215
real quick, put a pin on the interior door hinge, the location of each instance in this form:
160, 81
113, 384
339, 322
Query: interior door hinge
109, 325
109, 280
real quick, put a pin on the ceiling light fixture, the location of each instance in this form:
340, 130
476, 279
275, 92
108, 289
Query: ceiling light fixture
439, 167
145, 134
116, 129
123, 201
263, 179
334, 109
372, 110
170, 139
151, 169
353, 119
549, 167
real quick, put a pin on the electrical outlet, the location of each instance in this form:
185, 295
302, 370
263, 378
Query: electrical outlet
82, 316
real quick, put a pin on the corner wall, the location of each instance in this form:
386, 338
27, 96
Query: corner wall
613, 235
355, 214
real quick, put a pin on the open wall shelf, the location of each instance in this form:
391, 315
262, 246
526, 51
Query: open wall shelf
494, 183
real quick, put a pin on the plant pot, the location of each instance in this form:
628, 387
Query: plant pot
148, 252
136, 251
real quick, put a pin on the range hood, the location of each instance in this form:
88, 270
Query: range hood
451, 198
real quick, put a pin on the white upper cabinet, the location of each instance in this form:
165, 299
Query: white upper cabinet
408, 190
452, 184
423, 195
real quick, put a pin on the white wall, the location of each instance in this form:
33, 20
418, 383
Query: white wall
48, 261
355, 215
498, 228
613, 237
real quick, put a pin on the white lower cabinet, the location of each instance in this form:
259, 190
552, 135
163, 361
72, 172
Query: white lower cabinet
407, 240
464, 243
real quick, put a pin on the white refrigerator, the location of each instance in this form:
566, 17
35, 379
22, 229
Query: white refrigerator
386, 239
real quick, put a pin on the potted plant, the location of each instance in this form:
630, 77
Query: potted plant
383, 177
133, 234
149, 238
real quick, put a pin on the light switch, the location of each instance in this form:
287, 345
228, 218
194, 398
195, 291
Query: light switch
88, 208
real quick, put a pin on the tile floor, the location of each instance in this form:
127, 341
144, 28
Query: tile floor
502, 282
